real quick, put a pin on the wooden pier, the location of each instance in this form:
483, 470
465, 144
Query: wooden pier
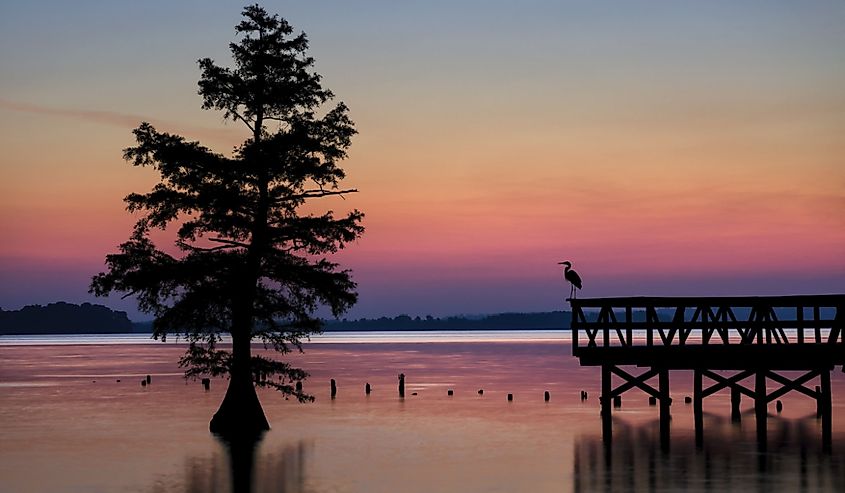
755, 338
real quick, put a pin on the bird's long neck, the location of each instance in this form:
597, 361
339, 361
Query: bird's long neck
566, 268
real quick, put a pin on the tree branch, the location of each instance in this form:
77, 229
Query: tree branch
229, 242
201, 249
241, 118
314, 194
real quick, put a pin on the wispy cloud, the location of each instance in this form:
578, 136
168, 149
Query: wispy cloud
227, 135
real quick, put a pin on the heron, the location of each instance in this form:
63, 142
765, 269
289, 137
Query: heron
572, 277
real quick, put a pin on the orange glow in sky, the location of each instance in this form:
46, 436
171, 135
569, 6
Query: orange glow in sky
665, 148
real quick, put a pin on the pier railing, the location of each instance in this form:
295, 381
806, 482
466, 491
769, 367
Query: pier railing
679, 321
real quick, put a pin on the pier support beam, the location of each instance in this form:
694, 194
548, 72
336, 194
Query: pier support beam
698, 407
827, 410
736, 400
665, 402
760, 408
606, 426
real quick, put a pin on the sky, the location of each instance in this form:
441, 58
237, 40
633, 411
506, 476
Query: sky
664, 147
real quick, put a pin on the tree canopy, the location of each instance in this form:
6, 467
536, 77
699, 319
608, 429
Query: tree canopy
249, 259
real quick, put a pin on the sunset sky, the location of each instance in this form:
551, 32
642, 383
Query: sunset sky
666, 148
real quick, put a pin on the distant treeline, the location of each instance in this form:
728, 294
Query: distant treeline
502, 321
64, 318
512, 321
68, 318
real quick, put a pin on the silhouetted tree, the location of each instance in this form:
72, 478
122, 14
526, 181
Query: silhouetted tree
251, 262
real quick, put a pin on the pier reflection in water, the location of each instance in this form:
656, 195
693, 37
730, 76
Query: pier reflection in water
728, 460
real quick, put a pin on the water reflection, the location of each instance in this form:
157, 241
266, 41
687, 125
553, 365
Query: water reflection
728, 461
246, 467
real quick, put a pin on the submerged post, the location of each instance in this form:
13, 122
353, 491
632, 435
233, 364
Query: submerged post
334, 388
402, 385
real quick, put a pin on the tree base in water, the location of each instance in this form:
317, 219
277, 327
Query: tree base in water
240, 415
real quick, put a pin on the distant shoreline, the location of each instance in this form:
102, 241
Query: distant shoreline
67, 318
335, 337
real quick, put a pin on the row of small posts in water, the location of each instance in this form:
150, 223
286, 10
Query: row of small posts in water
450, 392
206, 383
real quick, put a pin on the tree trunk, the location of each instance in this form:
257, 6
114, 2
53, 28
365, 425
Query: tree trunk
240, 414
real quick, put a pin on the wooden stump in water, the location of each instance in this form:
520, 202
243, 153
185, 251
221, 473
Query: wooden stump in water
401, 385
367, 388
547, 396
149, 380
334, 388
510, 397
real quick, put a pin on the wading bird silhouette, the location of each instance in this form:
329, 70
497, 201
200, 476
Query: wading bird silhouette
572, 277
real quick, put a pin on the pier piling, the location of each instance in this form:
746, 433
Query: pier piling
736, 400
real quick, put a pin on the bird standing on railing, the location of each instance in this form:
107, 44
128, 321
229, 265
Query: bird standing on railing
572, 277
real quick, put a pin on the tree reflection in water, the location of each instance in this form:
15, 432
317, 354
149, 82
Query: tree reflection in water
243, 469
727, 461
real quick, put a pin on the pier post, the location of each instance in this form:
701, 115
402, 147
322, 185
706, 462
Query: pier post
606, 427
736, 400
698, 407
665, 402
760, 408
827, 411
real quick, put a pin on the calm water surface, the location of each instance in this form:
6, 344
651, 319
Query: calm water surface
67, 424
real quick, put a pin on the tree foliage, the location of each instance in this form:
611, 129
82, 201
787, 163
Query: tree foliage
251, 261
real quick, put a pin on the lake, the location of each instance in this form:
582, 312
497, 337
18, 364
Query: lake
68, 424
